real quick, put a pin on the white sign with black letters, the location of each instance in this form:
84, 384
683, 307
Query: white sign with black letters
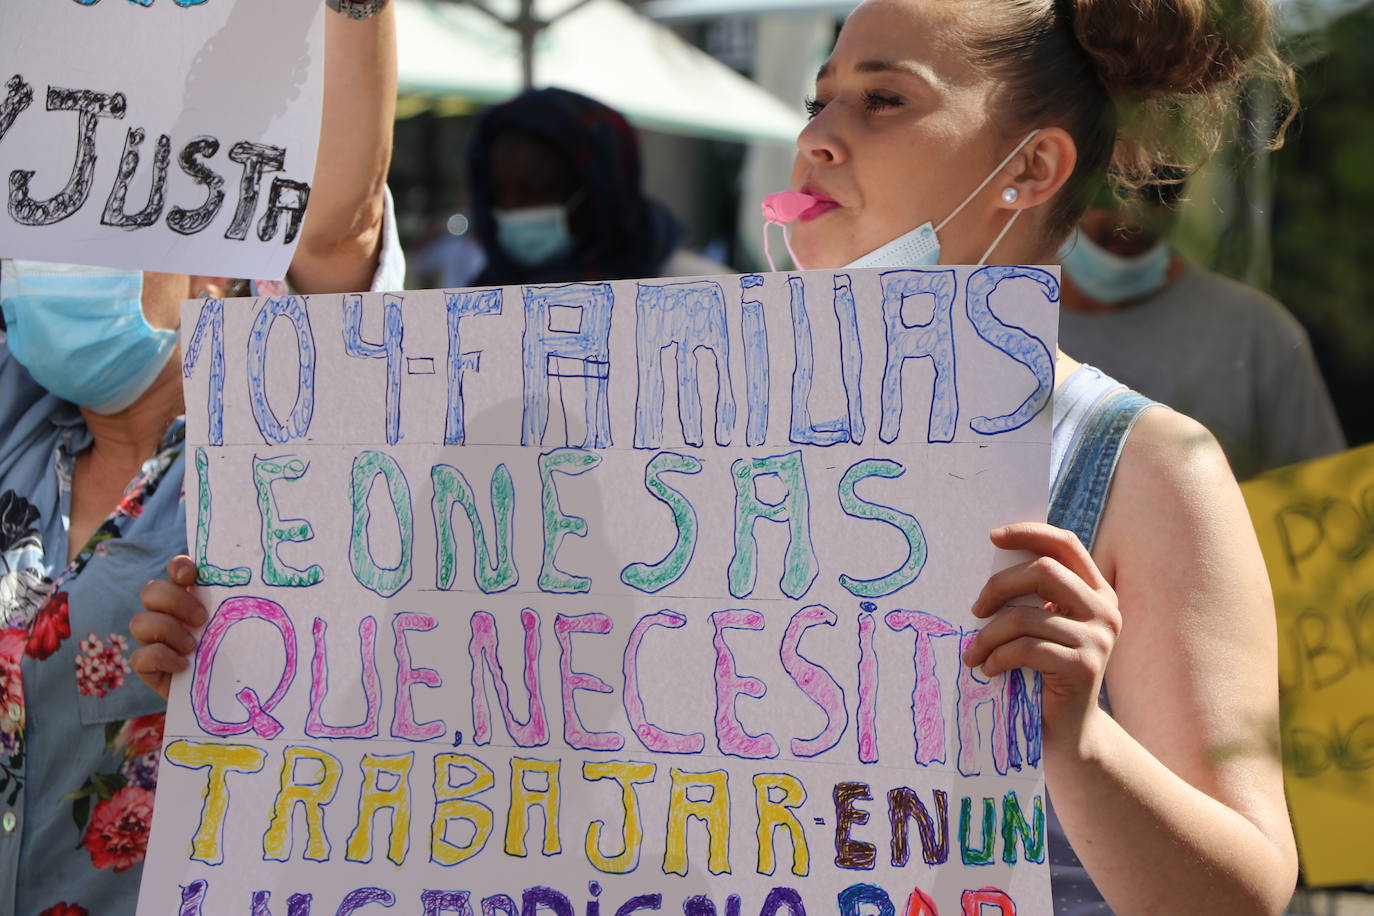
171, 135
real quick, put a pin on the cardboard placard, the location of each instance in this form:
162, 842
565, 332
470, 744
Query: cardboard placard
610, 598
1316, 526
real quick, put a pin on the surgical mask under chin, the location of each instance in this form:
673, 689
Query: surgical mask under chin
534, 236
81, 333
1111, 278
921, 246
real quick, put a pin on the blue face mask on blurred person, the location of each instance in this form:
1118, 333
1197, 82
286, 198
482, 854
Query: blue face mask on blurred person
534, 236
81, 333
1112, 278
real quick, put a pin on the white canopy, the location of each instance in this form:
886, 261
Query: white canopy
604, 50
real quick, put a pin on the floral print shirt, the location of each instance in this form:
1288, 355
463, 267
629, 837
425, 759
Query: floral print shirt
80, 735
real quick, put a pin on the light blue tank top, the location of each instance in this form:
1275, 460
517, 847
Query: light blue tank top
1093, 415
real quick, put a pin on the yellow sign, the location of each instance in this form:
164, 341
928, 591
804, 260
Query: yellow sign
1316, 526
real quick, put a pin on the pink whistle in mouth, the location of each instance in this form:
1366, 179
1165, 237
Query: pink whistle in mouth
779, 209
786, 206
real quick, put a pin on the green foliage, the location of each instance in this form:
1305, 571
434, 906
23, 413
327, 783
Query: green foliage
1323, 251
1296, 222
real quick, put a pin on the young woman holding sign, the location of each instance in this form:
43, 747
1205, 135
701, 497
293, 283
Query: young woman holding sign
998, 117
1152, 582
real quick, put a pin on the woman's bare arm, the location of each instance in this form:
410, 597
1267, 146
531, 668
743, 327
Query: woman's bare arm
1190, 760
342, 235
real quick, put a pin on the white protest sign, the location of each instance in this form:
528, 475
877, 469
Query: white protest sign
171, 135
610, 598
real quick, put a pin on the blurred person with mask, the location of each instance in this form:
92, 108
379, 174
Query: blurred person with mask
557, 197
92, 462
1211, 348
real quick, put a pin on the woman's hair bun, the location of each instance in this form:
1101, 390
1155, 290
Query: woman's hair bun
1144, 48
1177, 70
1146, 88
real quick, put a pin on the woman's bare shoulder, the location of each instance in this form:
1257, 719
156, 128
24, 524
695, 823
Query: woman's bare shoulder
1173, 481
1166, 442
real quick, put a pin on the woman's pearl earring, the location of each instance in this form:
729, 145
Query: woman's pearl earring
1010, 196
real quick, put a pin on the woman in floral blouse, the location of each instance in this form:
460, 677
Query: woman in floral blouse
91, 472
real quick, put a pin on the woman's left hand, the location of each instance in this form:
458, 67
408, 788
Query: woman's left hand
1067, 637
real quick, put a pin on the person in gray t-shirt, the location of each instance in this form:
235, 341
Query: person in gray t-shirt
1221, 352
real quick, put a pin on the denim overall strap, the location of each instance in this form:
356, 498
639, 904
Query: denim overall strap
1080, 493
1098, 416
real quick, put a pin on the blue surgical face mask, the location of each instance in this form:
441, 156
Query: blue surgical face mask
534, 236
81, 333
921, 246
1112, 278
